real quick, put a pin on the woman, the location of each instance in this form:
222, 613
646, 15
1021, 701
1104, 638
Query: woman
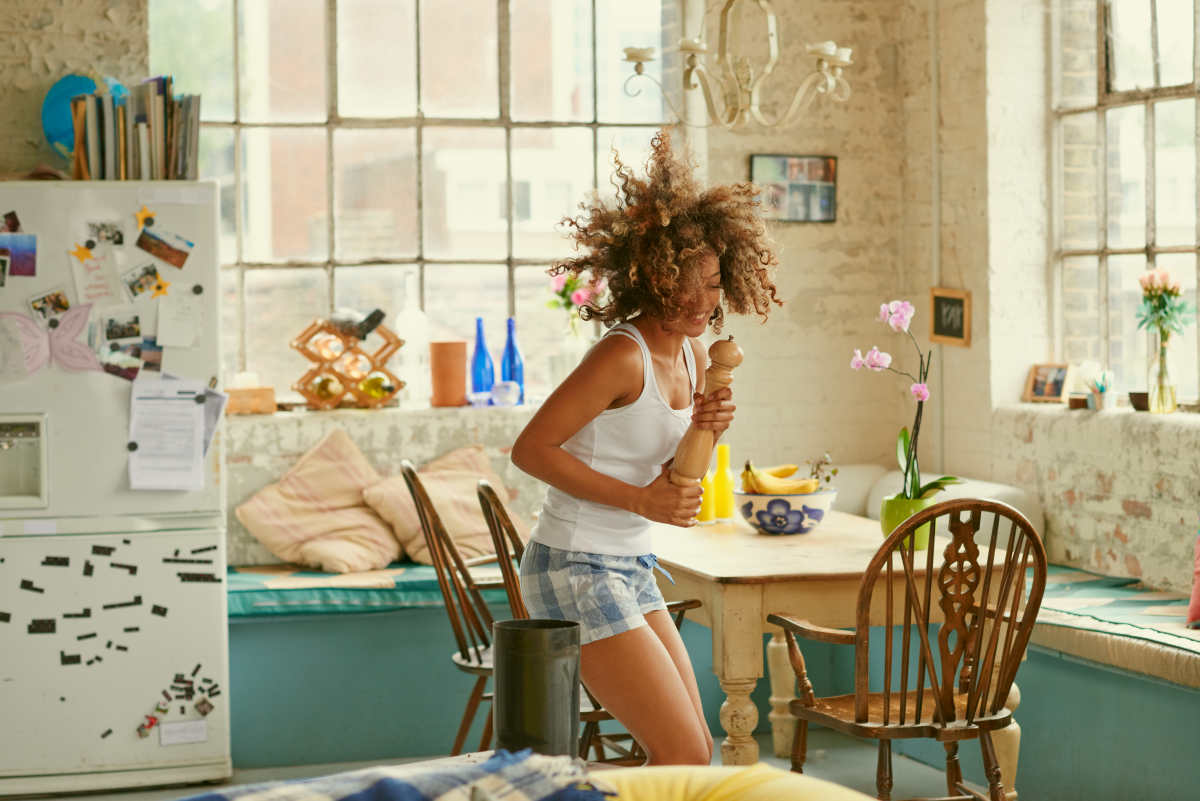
671, 255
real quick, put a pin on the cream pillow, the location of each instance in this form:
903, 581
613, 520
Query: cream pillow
315, 515
450, 481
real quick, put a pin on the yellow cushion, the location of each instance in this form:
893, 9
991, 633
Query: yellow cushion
315, 515
759, 782
450, 481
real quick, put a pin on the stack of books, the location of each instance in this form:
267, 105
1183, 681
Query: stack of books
149, 134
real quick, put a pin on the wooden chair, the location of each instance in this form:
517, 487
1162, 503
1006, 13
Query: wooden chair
468, 612
963, 669
625, 750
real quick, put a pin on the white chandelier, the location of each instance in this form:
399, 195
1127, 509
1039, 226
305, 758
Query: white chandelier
737, 84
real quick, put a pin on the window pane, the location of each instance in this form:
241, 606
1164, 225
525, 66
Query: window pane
552, 173
1126, 176
1081, 310
193, 42
281, 52
216, 162
375, 193
1130, 65
621, 24
552, 60
1077, 52
1175, 171
282, 303
1175, 34
464, 185
1127, 345
377, 286
231, 323
283, 208
458, 293
458, 59
377, 58
1080, 181
632, 145
542, 331
1182, 348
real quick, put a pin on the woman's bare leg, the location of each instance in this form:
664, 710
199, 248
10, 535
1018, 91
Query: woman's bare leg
635, 678
668, 635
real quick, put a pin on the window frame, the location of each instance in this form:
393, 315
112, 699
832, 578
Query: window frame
419, 123
1106, 100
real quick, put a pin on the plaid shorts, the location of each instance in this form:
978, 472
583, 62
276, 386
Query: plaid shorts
607, 595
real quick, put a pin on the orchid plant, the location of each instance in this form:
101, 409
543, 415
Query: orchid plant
898, 315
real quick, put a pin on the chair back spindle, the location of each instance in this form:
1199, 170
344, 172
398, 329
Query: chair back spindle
507, 543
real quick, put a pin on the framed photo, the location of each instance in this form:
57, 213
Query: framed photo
796, 188
1047, 383
950, 316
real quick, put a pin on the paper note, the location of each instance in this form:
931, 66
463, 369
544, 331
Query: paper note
214, 407
183, 732
95, 281
178, 320
166, 435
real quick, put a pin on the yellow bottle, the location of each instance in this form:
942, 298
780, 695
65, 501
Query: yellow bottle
723, 485
708, 501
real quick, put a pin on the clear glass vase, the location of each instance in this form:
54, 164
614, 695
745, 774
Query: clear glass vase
1162, 397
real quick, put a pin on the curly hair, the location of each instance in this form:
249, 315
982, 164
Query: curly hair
645, 245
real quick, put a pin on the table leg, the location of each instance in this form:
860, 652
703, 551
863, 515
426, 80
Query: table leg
1007, 742
783, 692
739, 717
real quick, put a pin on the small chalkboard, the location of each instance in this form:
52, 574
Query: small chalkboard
950, 316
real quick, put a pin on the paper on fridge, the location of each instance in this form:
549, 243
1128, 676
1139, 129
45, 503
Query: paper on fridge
166, 424
214, 407
178, 320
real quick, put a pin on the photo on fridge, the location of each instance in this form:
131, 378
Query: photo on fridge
121, 325
50, 305
171, 248
140, 280
4, 260
106, 232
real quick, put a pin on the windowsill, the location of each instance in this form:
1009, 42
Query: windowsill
422, 410
1122, 416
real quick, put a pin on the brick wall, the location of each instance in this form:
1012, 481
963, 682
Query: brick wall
43, 42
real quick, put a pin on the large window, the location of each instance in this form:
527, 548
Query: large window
382, 153
1125, 118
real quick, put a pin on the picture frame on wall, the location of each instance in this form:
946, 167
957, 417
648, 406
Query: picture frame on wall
1047, 383
950, 316
796, 188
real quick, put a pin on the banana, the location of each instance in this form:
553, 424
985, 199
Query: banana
781, 470
759, 481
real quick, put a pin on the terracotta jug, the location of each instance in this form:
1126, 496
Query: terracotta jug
448, 370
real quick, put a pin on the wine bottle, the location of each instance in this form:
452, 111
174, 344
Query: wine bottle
483, 371
512, 366
723, 485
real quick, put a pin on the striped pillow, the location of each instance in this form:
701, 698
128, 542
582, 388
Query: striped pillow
315, 515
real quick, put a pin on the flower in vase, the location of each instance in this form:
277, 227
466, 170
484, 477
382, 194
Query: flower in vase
572, 292
898, 315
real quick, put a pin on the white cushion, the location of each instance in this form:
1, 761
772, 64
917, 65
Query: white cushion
853, 484
1024, 502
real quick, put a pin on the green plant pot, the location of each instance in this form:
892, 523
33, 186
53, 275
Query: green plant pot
895, 509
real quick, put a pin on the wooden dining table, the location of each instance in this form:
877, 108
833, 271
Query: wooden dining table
742, 576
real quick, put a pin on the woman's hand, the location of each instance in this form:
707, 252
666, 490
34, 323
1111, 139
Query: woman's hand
713, 412
664, 502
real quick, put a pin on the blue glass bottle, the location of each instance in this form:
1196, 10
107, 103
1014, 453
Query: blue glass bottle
483, 372
512, 366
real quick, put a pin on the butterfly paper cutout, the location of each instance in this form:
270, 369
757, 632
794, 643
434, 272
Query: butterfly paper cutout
41, 347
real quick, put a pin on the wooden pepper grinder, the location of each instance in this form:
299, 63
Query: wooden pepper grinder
694, 451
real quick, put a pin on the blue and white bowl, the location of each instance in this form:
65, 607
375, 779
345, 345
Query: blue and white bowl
785, 514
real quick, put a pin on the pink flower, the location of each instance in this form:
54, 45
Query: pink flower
856, 361
581, 296
883, 312
877, 360
920, 392
898, 314
558, 282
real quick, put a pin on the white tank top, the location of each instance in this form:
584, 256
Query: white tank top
631, 444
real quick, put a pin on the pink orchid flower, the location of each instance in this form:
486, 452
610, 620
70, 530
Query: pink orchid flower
581, 296
899, 314
856, 361
877, 360
920, 392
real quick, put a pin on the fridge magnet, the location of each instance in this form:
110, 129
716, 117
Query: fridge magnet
26, 584
87, 568
137, 601
56, 561
11, 224
140, 280
87, 611
102, 550
104, 233
69, 659
144, 217
90, 635
161, 611
81, 252
164, 245
41, 626
204, 706
160, 288
131, 628
22, 252
105, 733
50, 305
131, 569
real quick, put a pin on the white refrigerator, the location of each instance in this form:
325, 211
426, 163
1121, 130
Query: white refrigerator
113, 641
